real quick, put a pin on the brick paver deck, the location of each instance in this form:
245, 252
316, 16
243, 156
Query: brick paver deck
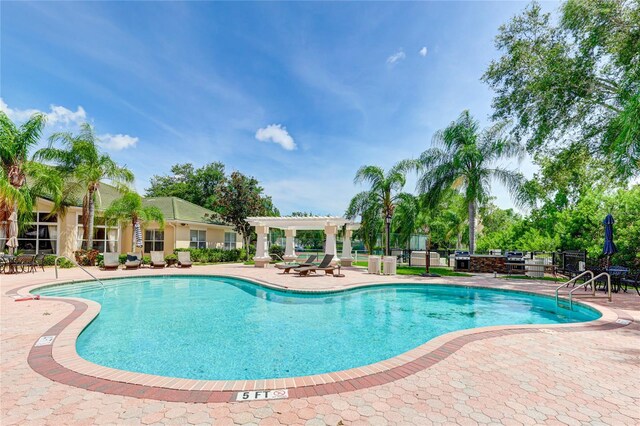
561, 375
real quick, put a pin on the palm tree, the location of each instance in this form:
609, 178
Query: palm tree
464, 158
129, 209
365, 206
16, 196
82, 163
381, 197
414, 214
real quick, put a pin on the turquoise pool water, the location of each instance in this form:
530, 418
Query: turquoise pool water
224, 328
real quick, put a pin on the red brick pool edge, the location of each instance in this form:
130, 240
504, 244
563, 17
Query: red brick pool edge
117, 382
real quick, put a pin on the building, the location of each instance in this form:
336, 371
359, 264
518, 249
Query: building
186, 225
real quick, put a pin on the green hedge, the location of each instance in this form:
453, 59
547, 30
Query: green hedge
215, 255
50, 260
277, 250
197, 255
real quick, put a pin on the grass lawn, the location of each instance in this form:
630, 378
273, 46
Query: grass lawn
418, 270
524, 277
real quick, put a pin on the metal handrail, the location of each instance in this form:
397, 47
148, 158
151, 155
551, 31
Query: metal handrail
79, 266
592, 280
572, 280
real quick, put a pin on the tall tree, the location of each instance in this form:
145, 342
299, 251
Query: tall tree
236, 199
464, 158
130, 209
196, 185
81, 162
415, 214
367, 207
16, 194
382, 195
573, 80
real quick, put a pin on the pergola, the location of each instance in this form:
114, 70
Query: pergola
291, 224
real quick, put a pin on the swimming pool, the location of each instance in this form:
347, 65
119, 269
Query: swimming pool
220, 328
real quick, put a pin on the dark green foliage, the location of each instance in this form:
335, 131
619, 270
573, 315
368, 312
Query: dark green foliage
50, 260
212, 255
576, 78
240, 197
277, 250
194, 185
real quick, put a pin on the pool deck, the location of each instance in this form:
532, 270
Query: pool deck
552, 374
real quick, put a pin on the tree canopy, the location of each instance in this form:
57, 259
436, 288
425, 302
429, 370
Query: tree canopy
575, 80
196, 185
239, 197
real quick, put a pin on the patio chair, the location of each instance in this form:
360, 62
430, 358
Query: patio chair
110, 261
325, 266
184, 259
26, 263
38, 261
631, 279
157, 259
287, 267
133, 261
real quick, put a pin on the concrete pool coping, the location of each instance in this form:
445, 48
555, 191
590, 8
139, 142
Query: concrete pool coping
61, 363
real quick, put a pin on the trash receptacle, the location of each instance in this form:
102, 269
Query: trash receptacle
389, 265
374, 265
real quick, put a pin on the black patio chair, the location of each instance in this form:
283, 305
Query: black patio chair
38, 261
631, 278
26, 263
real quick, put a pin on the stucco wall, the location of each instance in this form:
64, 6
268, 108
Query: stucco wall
173, 231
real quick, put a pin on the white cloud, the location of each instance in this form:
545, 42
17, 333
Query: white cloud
398, 56
423, 51
117, 142
276, 133
57, 115
60, 118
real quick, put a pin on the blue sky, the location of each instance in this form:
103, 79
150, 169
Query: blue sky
298, 95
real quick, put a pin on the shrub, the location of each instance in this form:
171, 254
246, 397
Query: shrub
207, 255
276, 250
86, 257
171, 257
64, 263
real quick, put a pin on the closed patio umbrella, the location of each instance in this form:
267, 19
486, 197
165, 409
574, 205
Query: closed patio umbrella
609, 245
137, 235
12, 242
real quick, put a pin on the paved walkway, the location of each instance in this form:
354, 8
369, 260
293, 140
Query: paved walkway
585, 376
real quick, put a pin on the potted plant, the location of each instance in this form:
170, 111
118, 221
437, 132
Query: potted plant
171, 259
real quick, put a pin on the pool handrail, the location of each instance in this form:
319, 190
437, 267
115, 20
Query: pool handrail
573, 280
592, 280
79, 266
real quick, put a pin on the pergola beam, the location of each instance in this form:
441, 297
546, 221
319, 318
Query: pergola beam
291, 224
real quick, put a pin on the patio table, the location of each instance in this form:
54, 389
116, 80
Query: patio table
10, 264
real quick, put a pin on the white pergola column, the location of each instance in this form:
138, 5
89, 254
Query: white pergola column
290, 245
330, 240
346, 259
262, 257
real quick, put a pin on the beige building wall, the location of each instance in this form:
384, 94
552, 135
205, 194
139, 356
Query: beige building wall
126, 238
176, 234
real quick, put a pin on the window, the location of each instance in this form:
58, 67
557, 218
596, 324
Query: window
105, 238
153, 240
40, 236
229, 240
198, 239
